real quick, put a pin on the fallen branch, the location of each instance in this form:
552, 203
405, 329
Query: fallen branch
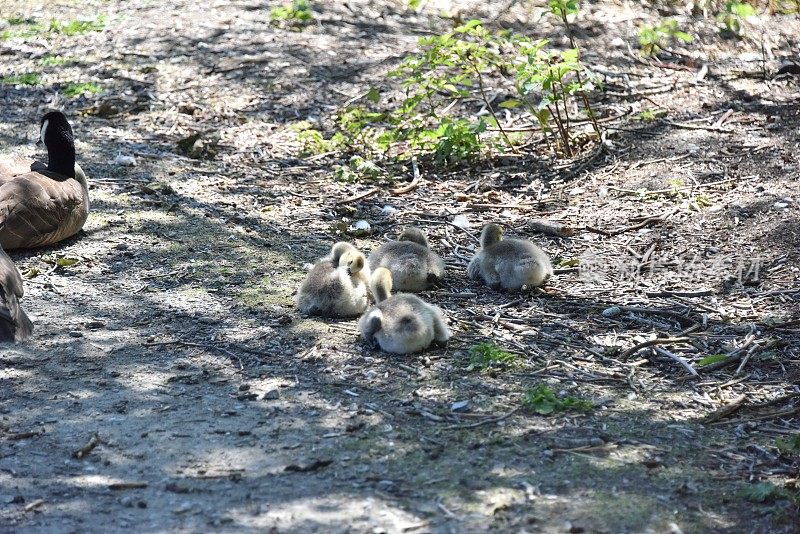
484, 422
686, 365
687, 126
94, 441
360, 196
726, 410
414, 181
652, 342
551, 228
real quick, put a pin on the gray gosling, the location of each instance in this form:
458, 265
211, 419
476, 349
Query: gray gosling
337, 284
510, 264
400, 323
414, 266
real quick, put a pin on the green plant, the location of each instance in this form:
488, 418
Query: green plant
487, 354
649, 115
732, 16
543, 400
293, 15
28, 78
356, 170
552, 77
356, 126
444, 73
654, 39
789, 444
74, 89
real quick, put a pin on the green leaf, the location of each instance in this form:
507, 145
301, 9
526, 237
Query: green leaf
474, 23
708, 360
66, 262
373, 95
510, 104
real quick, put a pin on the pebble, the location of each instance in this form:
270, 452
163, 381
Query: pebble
75, 333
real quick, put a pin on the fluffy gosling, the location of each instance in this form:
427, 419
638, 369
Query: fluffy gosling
400, 323
337, 284
414, 266
510, 264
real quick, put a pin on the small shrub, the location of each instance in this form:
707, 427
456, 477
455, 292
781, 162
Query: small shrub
654, 39
544, 401
487, 354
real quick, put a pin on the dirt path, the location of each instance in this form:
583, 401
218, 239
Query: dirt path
170, 385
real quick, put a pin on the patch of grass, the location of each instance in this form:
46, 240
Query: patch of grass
649, 115
78, 26
488, 355
74, 89
28, 78
764, 492
18, 20
55, 61
293, 15
789, 444
26, 27
544, 401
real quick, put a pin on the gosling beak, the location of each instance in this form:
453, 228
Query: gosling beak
39, 141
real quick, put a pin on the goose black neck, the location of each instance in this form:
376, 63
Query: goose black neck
61, 158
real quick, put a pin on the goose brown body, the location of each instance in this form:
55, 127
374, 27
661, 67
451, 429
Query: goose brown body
43, 204
14, 323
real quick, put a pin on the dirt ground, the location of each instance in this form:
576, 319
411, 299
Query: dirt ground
171, 385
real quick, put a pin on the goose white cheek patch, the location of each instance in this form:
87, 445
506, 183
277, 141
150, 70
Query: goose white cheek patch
44, 129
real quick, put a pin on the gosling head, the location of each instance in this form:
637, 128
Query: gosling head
381, 284
415, 235
353, 261
339, 250
492, 233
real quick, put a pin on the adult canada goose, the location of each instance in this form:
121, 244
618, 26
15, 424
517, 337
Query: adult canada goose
509, 263
14, 323
43, 204
414, 266
401, 323
337, 284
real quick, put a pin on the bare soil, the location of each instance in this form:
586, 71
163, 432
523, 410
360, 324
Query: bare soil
171, 386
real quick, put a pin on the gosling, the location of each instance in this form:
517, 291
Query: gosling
414, 266
337, 284
400, 323
510, 264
